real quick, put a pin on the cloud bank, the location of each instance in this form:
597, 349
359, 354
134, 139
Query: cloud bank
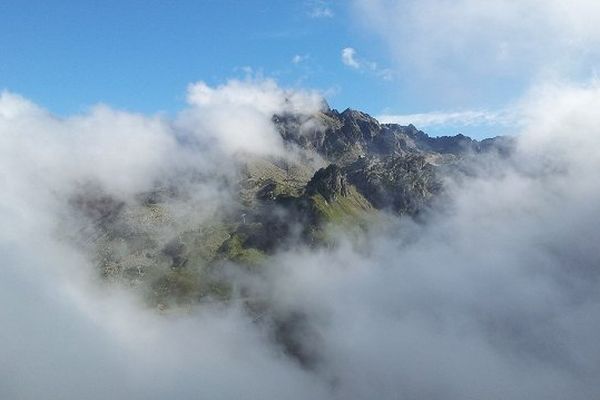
495, 295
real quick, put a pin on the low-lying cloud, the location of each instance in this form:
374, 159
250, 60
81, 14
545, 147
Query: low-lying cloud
494, 295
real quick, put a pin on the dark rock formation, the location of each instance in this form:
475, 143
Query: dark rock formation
329, 182
402, 183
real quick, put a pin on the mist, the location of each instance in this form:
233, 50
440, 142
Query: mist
492, 294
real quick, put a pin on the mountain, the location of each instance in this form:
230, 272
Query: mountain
343, 137
349, 171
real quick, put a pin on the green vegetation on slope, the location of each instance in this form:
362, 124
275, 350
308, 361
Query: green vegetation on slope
234, 249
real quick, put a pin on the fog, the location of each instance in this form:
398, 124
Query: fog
493, 295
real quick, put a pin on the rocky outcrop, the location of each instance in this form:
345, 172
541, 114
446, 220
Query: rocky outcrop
329, 182
404, 184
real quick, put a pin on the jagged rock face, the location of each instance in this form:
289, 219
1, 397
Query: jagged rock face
307, 131
329, 182
358, 130
352, 136
404, 184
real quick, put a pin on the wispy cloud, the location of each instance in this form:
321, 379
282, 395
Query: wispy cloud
452, 118
350, 58
475, 49
299, 58
320, 9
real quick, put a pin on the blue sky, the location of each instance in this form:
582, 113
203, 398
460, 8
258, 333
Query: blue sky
393, 58
140, 55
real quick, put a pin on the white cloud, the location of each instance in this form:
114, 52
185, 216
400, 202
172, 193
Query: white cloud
126, 153
103, 141
263, 95
473, 50
253, 103
349, 57
462, 118
299, 58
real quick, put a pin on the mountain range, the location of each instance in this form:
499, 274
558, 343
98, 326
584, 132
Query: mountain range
347, 172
